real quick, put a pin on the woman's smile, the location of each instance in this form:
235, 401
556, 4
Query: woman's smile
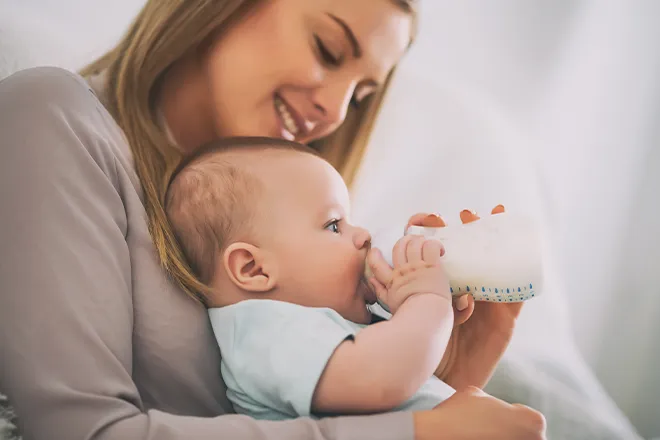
292, 125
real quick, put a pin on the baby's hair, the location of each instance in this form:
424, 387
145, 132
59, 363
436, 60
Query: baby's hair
210, 198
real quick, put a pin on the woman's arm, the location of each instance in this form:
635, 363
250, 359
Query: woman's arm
66, 312
482, 331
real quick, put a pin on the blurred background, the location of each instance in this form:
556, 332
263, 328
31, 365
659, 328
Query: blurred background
550, 107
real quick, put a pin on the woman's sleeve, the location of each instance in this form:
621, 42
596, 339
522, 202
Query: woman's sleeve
66, 313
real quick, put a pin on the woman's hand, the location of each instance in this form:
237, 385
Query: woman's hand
471, 414
482, 330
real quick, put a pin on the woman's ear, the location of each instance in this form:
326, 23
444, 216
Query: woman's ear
248, 268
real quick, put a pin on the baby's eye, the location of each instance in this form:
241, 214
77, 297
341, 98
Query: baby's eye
333, 226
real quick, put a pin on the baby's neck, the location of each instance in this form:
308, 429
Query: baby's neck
225, 293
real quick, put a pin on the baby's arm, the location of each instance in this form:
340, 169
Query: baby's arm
388, 362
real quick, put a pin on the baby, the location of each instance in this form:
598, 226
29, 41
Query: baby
265, 223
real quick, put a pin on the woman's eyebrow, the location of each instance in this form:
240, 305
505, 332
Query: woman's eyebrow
357, 50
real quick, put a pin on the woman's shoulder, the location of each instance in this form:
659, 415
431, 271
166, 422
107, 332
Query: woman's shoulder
49, 112
47, 85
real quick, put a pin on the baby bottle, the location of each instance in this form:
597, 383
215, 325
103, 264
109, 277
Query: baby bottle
497, 258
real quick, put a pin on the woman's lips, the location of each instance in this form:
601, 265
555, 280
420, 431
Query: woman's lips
292, 124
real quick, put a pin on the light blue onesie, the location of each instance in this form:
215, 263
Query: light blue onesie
273, 354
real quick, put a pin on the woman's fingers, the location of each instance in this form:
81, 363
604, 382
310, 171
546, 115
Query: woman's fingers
463, 308
428, 220
435, 221
499, 209
468, 216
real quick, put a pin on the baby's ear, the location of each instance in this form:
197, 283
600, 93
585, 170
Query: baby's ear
248, 268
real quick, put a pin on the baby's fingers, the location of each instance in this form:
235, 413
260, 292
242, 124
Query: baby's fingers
379, 289
432, 251
400, 251
381, 271
414, 249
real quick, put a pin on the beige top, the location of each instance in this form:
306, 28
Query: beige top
95, 341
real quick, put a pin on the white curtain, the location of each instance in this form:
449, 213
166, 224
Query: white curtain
554, 107
599, 120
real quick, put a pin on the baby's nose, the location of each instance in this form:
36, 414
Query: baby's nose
362, 238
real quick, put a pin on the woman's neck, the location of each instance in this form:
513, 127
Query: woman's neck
185, 107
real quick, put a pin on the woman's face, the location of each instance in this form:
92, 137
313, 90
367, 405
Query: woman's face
292, 67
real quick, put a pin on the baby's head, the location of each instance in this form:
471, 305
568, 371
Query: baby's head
261, 218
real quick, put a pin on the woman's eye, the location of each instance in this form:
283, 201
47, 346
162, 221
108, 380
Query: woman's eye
327, 56
333, 226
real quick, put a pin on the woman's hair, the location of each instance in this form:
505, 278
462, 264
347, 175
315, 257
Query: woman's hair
163, 32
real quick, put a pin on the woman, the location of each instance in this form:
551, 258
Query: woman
98, 338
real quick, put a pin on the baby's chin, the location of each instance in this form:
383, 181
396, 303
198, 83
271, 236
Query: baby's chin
365, 291
362, 315
364, 296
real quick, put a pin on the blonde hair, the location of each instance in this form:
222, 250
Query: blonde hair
163, 32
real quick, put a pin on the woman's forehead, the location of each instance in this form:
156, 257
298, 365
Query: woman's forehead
381, 30
376, 24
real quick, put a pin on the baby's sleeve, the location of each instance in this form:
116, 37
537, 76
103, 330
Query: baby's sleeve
274, 354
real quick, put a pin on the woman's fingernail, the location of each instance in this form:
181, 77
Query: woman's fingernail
468, 216
462, 303
499, 209
435, 220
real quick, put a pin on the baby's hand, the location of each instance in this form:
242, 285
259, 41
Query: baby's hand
417, 269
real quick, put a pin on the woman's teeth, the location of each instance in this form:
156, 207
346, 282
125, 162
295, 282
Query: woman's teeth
288, 121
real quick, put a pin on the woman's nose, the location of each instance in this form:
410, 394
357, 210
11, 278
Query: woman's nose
362, 239
331, 102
